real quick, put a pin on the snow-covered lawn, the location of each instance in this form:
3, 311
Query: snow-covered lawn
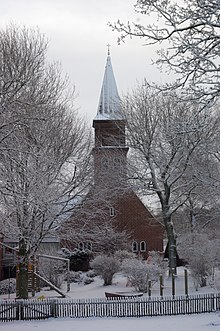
97, 290
120, 283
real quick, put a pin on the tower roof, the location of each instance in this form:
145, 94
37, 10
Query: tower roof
109, 102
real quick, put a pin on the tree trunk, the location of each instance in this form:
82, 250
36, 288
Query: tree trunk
22, 276
171, 236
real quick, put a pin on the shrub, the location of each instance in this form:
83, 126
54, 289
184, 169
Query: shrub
79, 259
216, 283
139, 273
74, 276
87, 280
80, 277
8, 286
200, 253
105, 266
91, 273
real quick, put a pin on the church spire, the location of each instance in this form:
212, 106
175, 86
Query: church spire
109, 102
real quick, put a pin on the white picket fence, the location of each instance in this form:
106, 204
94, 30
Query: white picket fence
127, 307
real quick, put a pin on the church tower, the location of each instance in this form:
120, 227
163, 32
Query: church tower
110, 151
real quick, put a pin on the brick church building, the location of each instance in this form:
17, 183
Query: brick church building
121, 205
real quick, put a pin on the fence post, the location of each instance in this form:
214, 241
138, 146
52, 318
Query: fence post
161, 285
53, 308
173, 283
149, 288
213, 302
186, 281
21, 304
218, 301
68, 276
17, 310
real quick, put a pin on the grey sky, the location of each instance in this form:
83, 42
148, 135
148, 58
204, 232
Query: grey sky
78, 34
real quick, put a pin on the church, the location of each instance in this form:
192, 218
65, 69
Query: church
111, 199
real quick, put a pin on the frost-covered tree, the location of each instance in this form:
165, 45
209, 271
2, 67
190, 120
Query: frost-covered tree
164, 134
187, 33
44, 148
99, 235
124, 254
92, 223
201, 207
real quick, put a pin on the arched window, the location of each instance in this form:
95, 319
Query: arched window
143, 246
112, 211
134, 246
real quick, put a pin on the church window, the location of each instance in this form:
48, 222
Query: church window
143, 246
112, 211
134, 246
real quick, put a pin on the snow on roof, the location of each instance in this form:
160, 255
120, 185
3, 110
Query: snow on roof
109, 102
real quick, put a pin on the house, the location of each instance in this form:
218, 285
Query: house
111, 199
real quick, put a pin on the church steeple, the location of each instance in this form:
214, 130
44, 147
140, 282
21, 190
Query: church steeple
110, 150
109, 102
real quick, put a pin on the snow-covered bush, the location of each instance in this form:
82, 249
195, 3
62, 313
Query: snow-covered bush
91, 273
216, 283
80, 277
105, 266
200, 253
201, 270
8, 286
87, 280
74, 276
139, 273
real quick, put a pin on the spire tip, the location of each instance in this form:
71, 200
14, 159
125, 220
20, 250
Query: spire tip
108, 49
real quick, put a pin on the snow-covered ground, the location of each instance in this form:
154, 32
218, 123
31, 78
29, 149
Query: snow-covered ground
97, 290
202, 322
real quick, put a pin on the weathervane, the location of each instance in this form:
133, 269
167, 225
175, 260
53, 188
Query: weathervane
108, 49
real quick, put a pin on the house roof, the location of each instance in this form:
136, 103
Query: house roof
109, 101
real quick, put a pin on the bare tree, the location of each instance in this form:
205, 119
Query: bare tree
164, 134
92, 222
45, 148
189, 31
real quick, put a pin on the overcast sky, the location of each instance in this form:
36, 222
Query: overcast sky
78, 34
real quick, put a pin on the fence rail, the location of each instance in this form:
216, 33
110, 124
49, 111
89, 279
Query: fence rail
131, 307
